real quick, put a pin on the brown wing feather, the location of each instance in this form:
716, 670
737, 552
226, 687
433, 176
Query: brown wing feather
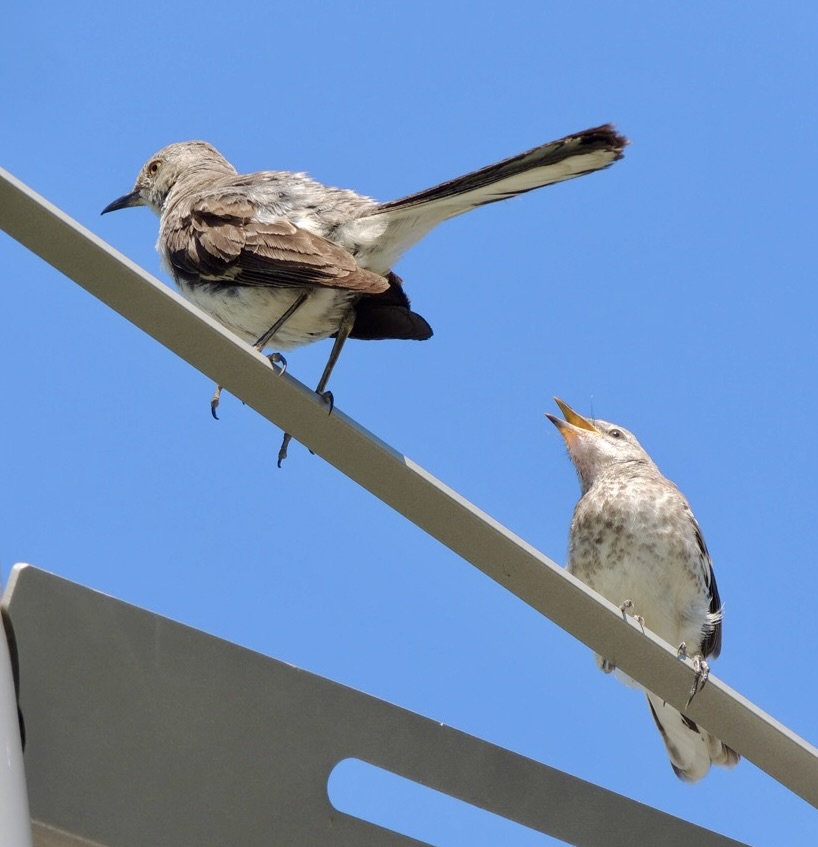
215, 238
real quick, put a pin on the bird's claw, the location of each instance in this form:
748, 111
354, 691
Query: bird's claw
327, 397
628, 604
278, 359
214, 401
700, 680
701, 668
282, 452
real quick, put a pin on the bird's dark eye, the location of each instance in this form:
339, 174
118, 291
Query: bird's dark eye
153, 167
615, 433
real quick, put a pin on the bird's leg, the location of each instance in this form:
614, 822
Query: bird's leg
275, 358
628, 604
340, 337
267, 337
701, 668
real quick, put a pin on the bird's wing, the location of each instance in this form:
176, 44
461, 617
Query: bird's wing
711, 645
217, 236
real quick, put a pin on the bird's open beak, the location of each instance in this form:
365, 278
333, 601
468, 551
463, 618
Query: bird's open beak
573, 421
124, 202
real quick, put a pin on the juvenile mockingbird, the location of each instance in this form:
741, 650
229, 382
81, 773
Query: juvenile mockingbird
634, 539
283, 260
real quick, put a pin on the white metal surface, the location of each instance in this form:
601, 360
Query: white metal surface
396, 480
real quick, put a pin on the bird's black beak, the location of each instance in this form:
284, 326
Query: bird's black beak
124, 202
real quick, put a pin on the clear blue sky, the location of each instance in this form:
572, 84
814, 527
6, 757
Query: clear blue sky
673, 293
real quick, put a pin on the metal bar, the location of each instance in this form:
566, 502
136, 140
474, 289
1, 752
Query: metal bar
396, 480
162, 734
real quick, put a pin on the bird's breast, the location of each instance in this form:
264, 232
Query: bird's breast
644, 555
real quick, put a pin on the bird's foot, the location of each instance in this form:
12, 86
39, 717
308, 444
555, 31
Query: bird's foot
214, 401
278, 359
628, 604
701, 668
282, 452
700, 680
605, 666
326, 396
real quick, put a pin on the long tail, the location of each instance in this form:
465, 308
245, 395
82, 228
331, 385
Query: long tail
691, 748
410, 218
575, 155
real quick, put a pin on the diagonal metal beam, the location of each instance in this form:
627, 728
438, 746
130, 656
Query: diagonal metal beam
405, 486
143, 731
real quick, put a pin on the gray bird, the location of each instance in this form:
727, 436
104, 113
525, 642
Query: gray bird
634, 540
282, 260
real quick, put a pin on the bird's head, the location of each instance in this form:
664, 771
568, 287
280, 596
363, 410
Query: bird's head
172, 166
595, 446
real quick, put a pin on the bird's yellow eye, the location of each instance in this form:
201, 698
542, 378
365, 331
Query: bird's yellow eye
153, 167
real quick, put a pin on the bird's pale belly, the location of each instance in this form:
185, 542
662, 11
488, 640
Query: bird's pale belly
653, 579
250, 311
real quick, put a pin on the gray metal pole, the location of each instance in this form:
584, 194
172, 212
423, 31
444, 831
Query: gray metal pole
15, 820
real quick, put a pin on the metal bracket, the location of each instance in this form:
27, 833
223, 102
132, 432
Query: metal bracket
143, 731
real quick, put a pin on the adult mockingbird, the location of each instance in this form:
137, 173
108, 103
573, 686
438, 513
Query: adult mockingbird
634, 539
283, 260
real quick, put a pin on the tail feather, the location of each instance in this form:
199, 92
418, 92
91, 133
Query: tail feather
407, 220
569, 157
388, 315
691, 748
